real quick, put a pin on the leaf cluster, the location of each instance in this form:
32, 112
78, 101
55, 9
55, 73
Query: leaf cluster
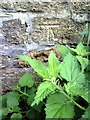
63, 84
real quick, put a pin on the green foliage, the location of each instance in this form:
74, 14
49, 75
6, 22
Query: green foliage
58, 106
5, 111
26, 80
12, 99
36, 65
17, 116
43, 91
31, 94
13, 102
83, 61
86, 33
42, 70
81, 50
53, 64
64, 50
70, 70
86, 115
64, 87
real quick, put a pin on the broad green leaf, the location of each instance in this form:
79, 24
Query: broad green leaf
59, 107
53, 63
38, 107
43, 91
3, 100
76, 89
4, 111
38, 66
26, 80
15, 87
87, 75
30, 99
31, 91
70, 70
12, 99
64, 50
16, 109
86, 95
16, 116
0, 112
86, 115
81, 50
33, 114
83, 61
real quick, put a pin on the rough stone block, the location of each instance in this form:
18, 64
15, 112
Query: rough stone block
57, 30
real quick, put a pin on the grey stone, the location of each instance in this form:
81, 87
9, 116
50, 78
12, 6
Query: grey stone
46, 44
57, 30
14, 32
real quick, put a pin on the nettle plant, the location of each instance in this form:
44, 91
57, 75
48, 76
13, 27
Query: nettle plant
63, 91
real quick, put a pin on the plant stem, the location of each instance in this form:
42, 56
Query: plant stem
73, 101
60, 89
23, 93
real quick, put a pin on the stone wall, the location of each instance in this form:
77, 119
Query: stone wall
45, 21
34, 25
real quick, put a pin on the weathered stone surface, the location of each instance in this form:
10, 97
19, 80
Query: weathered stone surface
14, 32
32, 6
16, 26
80, 11
57, 30
58, 21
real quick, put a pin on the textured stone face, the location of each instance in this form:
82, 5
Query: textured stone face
14, 32
46, 21
57, 30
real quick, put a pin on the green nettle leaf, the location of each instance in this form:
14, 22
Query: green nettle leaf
4, 111
26, 80
16, 109
33, 114
63, 50
16, 116
38, 107
31, 91
80, 49
12, 99
53, 65
59, 107
83, 61
38, 66
30, 99
86, 115
70, 70
43, 91
86, 95
15, 87
76, 89
0, 113
3, 100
